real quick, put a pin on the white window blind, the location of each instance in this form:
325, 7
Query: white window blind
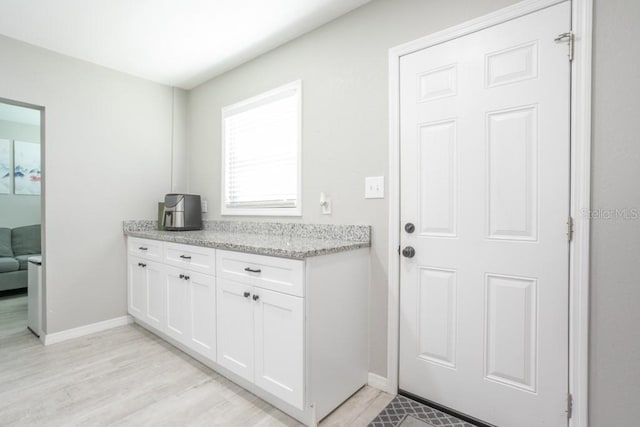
261, 139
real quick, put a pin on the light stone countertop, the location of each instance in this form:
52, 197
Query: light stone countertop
285, 244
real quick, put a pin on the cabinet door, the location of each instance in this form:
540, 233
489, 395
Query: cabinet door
202, 310
234, 318
155, 310
137, 287
279, 345
178, 319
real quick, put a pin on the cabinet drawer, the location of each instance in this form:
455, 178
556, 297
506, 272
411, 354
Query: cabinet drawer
194, 258
278, 274
145, 248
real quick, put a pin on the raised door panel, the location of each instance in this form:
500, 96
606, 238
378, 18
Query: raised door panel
202, 297
512, 174
511, 345
177, 291
155, 307
279, 352
234, 325
436, 309
437, 182
137, 287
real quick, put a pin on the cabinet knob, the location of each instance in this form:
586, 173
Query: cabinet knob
186, 277
246, 294
256, 297
182, 276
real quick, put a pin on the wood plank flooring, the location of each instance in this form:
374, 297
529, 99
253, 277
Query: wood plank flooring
128, 377
13, 313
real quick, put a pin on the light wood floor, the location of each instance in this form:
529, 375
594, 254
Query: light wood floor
127, 376
13, 314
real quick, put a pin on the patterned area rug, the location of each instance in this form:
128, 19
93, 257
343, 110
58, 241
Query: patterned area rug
404, 412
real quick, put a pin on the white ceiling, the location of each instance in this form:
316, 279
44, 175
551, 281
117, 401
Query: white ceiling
13, 113
176, 42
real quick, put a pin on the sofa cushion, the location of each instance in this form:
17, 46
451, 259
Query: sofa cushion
8, 264
5, 242
26, 240
23, 260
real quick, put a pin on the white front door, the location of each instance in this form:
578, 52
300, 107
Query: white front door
485, 181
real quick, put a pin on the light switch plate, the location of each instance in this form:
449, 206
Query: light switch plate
205, 206
374, 187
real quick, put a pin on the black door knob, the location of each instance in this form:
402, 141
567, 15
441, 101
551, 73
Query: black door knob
409, 227
408, 252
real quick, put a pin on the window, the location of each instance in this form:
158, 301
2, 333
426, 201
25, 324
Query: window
261, 154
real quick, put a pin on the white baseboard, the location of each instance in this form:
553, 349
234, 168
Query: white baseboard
80, 331
379, 382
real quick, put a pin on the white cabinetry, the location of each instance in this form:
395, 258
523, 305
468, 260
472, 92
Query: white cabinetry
177, 305
279, 345
178, 301
261, 338
293, 332
202, 303
235, 328
146, 291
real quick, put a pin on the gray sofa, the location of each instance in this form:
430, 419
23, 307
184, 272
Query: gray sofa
16, 246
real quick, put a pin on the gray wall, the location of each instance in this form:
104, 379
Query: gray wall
18, 210
343, 67
107, 158
180, 149
615, 243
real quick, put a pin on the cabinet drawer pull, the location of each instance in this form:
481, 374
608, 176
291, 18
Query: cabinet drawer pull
246, 294
256, 297
142, 248
141, 264
251, 270
185, 257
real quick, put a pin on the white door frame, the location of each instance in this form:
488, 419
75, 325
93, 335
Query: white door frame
581, 17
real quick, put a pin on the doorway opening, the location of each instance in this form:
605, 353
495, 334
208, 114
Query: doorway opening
21, 219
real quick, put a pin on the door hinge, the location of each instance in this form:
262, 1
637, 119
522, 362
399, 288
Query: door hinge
570, 229
569, 405
570, 37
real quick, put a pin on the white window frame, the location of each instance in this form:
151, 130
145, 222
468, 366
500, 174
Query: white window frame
244, 105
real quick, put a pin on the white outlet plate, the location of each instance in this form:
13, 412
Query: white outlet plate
205, 206
374, 187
